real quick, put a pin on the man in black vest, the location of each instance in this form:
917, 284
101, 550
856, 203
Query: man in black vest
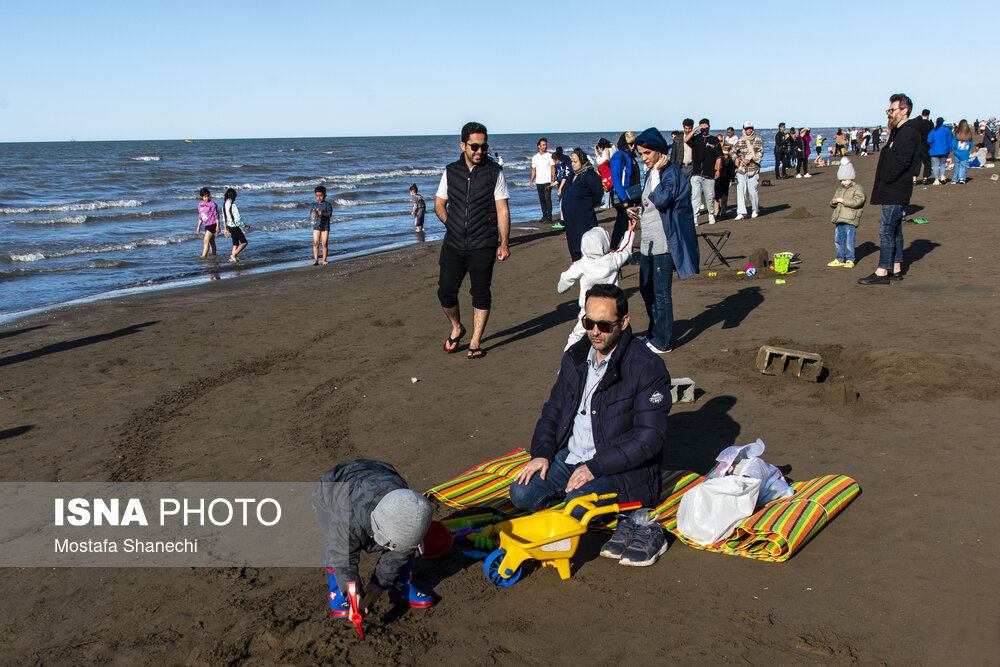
472, 203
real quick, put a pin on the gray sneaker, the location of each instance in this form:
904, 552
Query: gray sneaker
648, 543
615, 547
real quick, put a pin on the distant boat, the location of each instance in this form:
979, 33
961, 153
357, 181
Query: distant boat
189, 141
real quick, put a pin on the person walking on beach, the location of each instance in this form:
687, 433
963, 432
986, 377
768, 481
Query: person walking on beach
543, 173
939, 146
667, 239
419, 208
234, 224
962, 146
893, 187
208, 219
706, 164
471, 201
748, 153
876, 138
802, 153
925, 125
780, 139
320, 215
728, 173
563, 173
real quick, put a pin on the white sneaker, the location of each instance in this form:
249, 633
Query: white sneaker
808, 175
754, 214
655, 349
711, 219
740, 216
798, 175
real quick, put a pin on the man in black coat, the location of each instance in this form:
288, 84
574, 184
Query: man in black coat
925, 125
898, 162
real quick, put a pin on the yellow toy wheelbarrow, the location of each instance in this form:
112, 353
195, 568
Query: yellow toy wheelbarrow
549, 537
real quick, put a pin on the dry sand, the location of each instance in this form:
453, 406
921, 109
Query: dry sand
280, 376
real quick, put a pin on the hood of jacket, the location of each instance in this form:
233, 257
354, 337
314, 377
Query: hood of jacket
595, 243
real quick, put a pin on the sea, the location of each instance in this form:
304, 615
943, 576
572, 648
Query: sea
88, 220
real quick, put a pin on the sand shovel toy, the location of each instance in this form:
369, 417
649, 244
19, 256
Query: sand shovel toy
355, 613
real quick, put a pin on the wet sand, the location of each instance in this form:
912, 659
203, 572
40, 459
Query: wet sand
277, 377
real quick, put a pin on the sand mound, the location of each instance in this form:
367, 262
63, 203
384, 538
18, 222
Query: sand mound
799, 213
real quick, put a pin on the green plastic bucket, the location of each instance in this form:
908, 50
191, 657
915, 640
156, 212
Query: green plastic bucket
781, 260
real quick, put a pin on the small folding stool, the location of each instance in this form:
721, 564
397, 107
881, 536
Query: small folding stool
716, 246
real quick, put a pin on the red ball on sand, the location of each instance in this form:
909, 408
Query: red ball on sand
437, 540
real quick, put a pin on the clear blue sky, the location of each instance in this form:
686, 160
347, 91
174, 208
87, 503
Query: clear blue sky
170, 70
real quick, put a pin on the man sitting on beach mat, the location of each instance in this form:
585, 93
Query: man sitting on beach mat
471, 201
603, 428
365, 504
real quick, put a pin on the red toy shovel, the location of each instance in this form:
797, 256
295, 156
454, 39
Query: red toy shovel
355, 614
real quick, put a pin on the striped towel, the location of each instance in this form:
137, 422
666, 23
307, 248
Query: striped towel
774, 533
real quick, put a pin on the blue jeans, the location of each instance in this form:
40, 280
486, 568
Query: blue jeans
937, 164
843, 239
537, 493
890, 232
656, 274
961, 167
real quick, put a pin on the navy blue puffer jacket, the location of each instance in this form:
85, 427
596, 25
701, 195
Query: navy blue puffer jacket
630, 407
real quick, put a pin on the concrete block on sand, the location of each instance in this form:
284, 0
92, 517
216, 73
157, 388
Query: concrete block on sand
681, 390
780, 360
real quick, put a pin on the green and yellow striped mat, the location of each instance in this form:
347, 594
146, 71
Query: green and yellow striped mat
774, 533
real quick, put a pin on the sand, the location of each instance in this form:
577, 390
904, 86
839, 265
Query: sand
278, 377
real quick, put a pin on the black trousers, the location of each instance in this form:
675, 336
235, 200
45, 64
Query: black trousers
925, 159
545, 199
621, 224
779, 166
455, 264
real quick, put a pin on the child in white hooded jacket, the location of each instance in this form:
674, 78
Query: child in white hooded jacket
598, 266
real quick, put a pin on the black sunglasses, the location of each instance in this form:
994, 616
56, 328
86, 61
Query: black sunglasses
476, 147
603, 327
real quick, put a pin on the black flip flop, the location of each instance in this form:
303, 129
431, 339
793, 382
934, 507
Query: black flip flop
476, 353
454, 341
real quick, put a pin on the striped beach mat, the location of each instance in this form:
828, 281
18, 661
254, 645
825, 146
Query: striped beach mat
774, 533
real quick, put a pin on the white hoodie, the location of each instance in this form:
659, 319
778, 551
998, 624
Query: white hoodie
598, 266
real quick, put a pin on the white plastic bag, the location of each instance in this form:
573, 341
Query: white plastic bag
744, 460
710, 511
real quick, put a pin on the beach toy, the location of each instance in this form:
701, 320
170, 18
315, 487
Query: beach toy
779, 281
781, 260
550, 537
354, 614
751, 271
469, 520
712, 274
437, 540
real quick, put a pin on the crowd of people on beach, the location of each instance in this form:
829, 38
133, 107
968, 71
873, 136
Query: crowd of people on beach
603, 427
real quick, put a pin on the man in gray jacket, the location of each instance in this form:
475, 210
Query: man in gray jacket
365, 504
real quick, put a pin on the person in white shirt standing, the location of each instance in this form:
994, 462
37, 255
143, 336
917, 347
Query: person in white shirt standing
543, 173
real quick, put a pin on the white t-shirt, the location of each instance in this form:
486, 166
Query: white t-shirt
542, 164
499, 190
732, 140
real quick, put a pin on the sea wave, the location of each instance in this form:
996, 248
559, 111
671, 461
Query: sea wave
72, 220
103, 248
23, 257
393, 173
76, 206
27, 271
146, 158
340, 201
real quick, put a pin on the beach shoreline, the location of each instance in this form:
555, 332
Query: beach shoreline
278, 376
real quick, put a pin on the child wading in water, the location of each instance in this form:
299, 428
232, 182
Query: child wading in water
234, 224
321, 213
208, 218
419, 208
848, 203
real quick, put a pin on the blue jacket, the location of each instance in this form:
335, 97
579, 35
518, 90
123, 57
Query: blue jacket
630, 407
940, 140
621, 173
672, 198
961, 153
